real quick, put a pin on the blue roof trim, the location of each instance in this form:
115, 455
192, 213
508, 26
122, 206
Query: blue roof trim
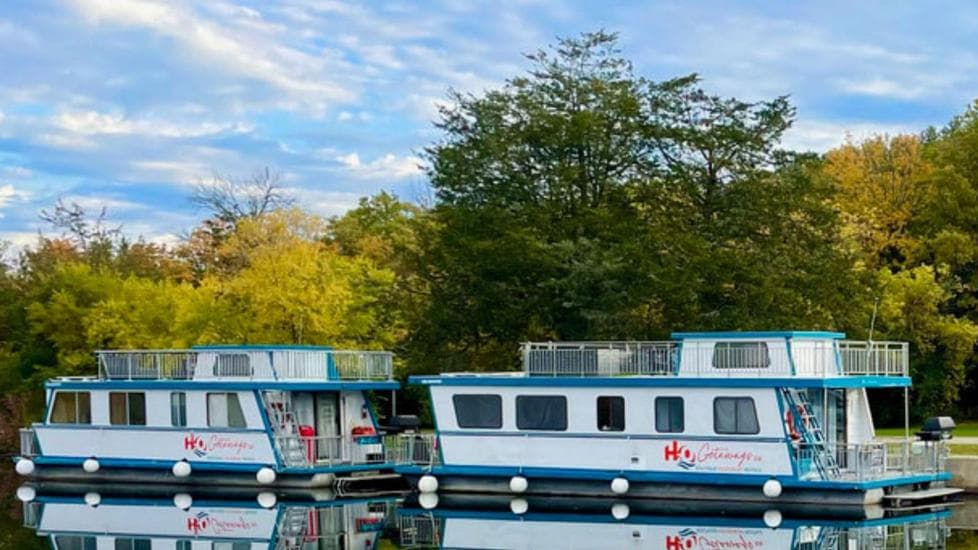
325, 385
758, 335
268, 347
691, 478
663, 382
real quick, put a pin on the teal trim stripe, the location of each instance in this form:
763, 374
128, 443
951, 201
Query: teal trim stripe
325, 385
758, 335
260, 347
662, 382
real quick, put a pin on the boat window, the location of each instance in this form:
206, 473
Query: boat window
230, 546
71, 407
741, 355
541, 412
224, 411
735, 415
133, 544
127, 408
611, 413
670, 416
233, 364
185, 545
74, 542
178, 408
478, 411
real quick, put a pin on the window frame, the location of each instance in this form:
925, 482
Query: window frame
127, 395
521, 399
682, 413
736, 416
231, 370
499, 402
237, 400
77, 408
612, 426
729, 346
180, 420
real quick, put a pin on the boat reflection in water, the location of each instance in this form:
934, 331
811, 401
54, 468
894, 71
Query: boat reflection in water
93, 521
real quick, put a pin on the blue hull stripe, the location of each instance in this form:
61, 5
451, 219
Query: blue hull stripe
325, 385
251, 467
665, 477
663, 382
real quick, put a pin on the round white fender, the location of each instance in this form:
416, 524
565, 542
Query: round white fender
93, 499
620, 511
772, 518
265, 476
182, 469
519, 506
267, 500
428, 484
518, 484
24, 467
772, 488
619, 486
91, 465
428, 501
26, 493
183, 501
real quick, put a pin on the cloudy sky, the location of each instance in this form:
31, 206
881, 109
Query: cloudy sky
129, 103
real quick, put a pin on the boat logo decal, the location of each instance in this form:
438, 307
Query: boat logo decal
229, 445
677, 452
203, 522
737, 539
710, 456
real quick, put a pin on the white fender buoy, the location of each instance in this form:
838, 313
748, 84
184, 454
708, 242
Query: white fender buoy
620, 511
26, 493
183, 501
267, 499
428, 501
266, 476
93, 499
518, 484
619, 486
24, 467
91, 465
772, 518
428, 484
519, 506
771, 488
182, 469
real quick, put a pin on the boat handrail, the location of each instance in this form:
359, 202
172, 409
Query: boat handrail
871, 460
245, 363
300, 451
720, 358
419, 449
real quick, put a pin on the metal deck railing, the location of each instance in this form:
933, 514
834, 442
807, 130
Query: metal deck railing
737, 358
244, 363
304, 451
412, 448
874, 459
28, 443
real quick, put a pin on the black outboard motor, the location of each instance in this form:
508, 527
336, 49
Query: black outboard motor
936, 428
402, 423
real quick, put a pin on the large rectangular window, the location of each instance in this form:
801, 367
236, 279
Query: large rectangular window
75, 542
478, 411
127, 408
233, 364
741, 355
611, 413
178, 408
71, 407
224, 411
541, 412
133, 544
735, 415
670, 416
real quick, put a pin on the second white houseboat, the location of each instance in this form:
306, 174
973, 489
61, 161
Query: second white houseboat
736, 415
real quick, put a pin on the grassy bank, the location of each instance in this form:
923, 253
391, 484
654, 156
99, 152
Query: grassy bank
965, 428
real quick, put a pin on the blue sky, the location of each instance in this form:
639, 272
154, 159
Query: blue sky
129, 103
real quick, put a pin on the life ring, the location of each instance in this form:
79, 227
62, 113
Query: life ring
789, 421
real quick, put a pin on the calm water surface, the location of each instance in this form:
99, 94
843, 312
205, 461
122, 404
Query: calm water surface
141, 518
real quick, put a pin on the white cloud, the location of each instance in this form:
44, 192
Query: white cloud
93, 203
95, 123
388, 167
236, 44
882, 87
9, 194
16, 172
820, 136
325, 203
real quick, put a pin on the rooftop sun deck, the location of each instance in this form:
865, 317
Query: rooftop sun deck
273, 363
729, 354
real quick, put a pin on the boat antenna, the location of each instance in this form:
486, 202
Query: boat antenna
872, 320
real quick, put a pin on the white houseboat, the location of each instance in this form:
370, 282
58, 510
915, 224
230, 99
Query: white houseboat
739, 416
284, 415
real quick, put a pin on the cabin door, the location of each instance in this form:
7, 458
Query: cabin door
327, 427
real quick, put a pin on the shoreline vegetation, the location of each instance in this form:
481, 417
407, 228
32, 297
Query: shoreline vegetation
577, 201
